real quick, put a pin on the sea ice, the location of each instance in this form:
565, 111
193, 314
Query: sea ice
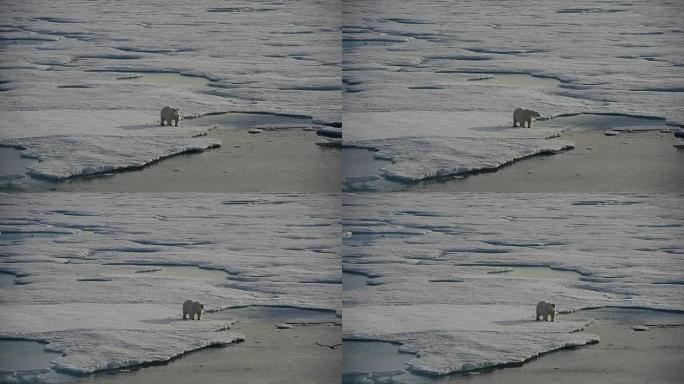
438, 289
84, 294
432, 75
73, 76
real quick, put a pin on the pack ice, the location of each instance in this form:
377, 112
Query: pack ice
78, 88
421, 77
438, 281
93, 284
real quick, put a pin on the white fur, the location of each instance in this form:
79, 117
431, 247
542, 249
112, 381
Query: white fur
521, 115
170, 114
193, 308
545, 310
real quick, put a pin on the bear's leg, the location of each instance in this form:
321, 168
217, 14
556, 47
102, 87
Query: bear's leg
513, 123
199, 316
162, 122
184, 315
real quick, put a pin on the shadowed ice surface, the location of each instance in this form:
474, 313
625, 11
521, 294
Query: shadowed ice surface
24, 354
32, 361
274, 314
243, 120
13, 236
12, 164
373, 356
351, 281
6, 279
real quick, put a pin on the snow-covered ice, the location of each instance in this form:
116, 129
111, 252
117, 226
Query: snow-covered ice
423, 74
83, 292
90, 80
434, 264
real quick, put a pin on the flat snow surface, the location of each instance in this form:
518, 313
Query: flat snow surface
434, 266
88, 282
68, 74
424, 74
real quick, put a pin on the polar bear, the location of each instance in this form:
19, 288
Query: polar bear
545, 310
193, 308
521, 116
169, 114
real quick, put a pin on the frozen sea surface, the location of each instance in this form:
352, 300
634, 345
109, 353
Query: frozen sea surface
82, 86
455, 278
441, 79
107, 293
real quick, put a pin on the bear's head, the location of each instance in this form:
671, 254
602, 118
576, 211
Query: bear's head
553, 307
535, 114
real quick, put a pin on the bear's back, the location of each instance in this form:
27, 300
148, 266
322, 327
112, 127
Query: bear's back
542, 306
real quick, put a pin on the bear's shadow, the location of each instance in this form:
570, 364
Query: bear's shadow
494, 129
513, 322
139, 127
164, 321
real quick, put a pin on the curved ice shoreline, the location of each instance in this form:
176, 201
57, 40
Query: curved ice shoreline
225, 339
427, 144
421, 158
63, 157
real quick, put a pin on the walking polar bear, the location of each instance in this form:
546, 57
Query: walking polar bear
522, 116
545, 310
169, 114
192, 308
